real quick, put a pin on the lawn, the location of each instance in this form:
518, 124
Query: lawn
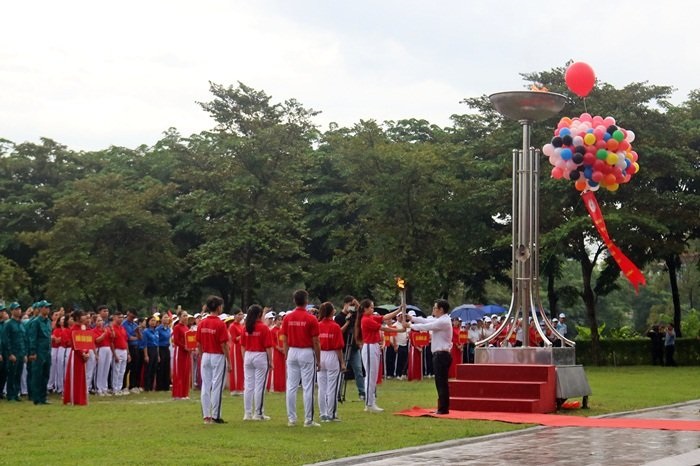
150, 428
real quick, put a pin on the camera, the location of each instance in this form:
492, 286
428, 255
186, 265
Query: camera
351, 308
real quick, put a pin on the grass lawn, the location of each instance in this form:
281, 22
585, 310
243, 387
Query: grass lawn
150, 428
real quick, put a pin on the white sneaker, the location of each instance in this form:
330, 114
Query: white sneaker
261, 417
126, 392
117, 393
292, 423
374, 409
248, 417
311, 424
134, 390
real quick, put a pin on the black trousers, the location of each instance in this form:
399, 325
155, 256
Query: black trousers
670, 349
390, 366
133, 369
402, 361
163, 377
441, 365
151, 368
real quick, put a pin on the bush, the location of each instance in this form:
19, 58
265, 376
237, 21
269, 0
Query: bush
636, 352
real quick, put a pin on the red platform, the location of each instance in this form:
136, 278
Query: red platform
512, 388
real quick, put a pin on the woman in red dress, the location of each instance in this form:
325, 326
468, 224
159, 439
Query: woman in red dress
182, 359
236, 330
75, 389
456, 350
278, 375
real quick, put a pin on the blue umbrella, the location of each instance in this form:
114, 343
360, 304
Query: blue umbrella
467, 312
387, 308
493, 309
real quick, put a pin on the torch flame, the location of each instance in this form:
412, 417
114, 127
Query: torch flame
537, 87
400, 282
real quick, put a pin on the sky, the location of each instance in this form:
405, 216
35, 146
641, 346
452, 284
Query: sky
92, 74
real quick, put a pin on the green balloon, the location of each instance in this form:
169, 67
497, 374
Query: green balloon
602, 154
618, 136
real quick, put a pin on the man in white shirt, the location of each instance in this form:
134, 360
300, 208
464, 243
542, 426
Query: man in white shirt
440, 345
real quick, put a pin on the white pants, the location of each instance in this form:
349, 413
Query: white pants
61, 362
301, 367
328, 379
90, 370
371, 352
255, 369
118, 369
53, 373
213, 379
104, 362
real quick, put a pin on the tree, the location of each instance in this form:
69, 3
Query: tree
247, 196
110, 243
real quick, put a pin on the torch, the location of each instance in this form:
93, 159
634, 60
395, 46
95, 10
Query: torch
401, 283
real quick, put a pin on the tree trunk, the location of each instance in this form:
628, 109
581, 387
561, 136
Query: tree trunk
672, 264
589, 301
552, 296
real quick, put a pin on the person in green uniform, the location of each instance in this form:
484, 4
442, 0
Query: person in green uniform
29, 316
3, 370
15, 344
39, 353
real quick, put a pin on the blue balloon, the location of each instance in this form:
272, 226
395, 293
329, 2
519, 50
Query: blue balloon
606, 136
589, 130
564, 132
588, 172
566, 154
592, 184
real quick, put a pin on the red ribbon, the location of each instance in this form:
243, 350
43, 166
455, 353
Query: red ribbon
633, 274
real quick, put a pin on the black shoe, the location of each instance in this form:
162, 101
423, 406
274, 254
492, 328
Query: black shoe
441, 412
218, 421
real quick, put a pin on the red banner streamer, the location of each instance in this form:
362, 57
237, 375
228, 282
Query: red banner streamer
633, 274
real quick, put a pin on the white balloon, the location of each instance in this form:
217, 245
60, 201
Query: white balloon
548, 150
630, 136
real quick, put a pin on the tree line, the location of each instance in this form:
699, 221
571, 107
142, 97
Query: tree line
265, 201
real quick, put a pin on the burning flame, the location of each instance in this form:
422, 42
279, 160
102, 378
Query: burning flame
400, 282
537, 87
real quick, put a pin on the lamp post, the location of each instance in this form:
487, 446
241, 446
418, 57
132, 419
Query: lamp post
526, 107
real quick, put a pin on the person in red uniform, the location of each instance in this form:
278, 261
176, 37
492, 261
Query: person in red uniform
278, 375
103, 342
456, 349
64, 350
212, 344
56, 382
236, 376
182, 359
120, 349
256, 344
303, 353
332, 363
417, 342
369, 326
75, 390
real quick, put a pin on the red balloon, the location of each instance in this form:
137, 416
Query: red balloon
580, 78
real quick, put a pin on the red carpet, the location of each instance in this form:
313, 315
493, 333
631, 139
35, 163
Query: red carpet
556, 420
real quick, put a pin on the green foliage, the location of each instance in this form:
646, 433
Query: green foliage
635, 351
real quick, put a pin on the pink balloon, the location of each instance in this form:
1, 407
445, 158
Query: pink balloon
586, 117
607, 121
597, 176
557, 173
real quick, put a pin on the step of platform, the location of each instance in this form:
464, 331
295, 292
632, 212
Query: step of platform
520, 388
508, 372
505, 405
497, 389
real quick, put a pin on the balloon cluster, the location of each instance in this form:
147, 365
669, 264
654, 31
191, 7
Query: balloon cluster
592, 151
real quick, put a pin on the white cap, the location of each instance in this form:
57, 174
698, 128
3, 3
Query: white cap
562, 316
555, 320
494, 316
281, 314
412, 313
473, 322
197, 315
223, 316
487, 319
270, 315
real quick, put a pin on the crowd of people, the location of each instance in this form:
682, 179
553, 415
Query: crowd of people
310, 347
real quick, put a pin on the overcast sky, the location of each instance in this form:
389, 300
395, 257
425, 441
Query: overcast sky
91, 74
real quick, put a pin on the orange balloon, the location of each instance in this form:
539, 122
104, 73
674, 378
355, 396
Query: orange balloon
580, 185
612, 144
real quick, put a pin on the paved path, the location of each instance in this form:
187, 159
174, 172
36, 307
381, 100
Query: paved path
575, 446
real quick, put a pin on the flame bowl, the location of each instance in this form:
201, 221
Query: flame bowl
528, 105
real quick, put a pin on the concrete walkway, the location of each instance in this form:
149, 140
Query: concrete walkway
573, 446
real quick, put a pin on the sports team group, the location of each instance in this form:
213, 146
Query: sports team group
314, 348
